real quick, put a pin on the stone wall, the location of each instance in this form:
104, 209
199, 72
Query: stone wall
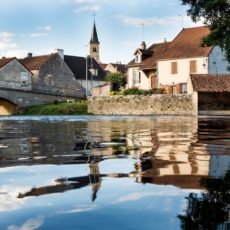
182, 104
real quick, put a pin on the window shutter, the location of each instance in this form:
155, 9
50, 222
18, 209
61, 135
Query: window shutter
174, 68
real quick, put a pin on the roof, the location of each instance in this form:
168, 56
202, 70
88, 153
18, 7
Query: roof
210, 82
149, 62
120, 67
34, 63
94, 37
78, 67
188, 44
103, 66
4, 61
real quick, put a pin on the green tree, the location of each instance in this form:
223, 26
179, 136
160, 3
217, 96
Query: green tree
117, 79
216, 15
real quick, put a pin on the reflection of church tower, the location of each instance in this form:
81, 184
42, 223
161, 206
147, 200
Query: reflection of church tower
94, 45
95, 179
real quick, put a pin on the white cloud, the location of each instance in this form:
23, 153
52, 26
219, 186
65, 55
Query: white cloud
154, 21
87, 8
35, 35
8, 47
45, 28
140, 195
30, 224
84, 1
6, 42
9, 200
43, 31
81, 209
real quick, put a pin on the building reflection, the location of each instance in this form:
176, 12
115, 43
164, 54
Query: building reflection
177, 152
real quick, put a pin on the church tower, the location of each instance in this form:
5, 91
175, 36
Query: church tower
94, 45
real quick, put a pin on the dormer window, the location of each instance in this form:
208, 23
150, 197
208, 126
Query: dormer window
138, 58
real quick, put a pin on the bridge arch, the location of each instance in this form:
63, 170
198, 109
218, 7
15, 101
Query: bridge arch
7, 107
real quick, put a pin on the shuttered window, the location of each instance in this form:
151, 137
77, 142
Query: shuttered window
193, 68
174, 67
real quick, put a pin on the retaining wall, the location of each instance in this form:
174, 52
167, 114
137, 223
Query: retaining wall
183, 104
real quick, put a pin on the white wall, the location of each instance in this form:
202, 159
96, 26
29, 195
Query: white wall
183, 70
145, 82
217, 62
91, 84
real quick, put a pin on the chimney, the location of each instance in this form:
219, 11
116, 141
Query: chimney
143, 45
60, 52
29, 55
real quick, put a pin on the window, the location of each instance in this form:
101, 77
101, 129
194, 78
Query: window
94, 49
138, 58
183, 88
174, 68
139, 77
24, 79
193, 68
94, 72
136, 80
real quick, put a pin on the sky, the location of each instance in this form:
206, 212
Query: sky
40, 26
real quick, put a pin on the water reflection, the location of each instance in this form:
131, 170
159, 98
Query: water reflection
155, 151
211, 209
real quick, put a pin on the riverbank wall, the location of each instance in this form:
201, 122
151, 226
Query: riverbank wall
160, 104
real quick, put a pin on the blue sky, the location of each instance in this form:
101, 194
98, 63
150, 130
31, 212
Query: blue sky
40, 26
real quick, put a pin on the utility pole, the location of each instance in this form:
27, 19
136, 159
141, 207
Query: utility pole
86, 75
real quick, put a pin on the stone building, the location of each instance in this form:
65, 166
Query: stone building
14, 74
52, 75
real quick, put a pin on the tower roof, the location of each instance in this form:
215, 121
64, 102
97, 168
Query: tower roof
94, 37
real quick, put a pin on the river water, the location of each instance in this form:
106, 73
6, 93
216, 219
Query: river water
100, 172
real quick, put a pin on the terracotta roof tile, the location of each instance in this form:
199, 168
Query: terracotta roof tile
34, 63
158, 52
188, 44
4, 61
210, 83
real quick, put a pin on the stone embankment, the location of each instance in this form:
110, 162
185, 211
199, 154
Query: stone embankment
143, 105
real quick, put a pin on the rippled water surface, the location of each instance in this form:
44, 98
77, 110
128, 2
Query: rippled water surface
114, 173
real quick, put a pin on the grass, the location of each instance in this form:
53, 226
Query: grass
76, 108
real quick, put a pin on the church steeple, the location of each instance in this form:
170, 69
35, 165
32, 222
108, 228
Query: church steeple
94, 37
94, 44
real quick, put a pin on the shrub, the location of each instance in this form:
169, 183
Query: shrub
136, 91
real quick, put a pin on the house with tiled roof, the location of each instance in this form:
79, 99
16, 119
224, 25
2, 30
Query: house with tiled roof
14, 75
173, 62
116, 67
87, 71
142, 70
51, 74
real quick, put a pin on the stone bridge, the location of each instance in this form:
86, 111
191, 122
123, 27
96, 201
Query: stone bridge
12, 100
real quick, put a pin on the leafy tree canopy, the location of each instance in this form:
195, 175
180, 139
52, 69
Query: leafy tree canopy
117, 79
216, 15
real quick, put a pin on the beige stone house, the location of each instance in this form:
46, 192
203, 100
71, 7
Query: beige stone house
169, 64
15, 75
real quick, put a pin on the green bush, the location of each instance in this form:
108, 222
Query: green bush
136, 91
